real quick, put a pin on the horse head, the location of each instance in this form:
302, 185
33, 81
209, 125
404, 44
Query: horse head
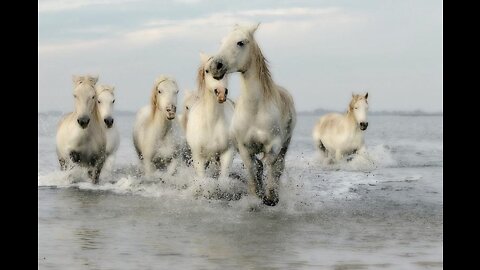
85, 98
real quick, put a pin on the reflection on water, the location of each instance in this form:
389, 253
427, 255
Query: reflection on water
87, 238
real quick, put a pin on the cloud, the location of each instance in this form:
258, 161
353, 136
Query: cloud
275, 20
295, 11
61, 5
70, 46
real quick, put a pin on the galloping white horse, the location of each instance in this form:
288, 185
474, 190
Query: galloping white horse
105, 102
155, 135
80, 138
264, 116
337, 134
208, 125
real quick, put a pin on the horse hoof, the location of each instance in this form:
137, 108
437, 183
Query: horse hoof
270, 201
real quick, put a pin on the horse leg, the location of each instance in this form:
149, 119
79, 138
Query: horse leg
63, 164
275, 167
338, 155
149, 167
248, 162
172, 166
97, 165
75, 156
225, 162
199, 163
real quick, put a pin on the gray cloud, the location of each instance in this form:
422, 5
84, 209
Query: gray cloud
321, 54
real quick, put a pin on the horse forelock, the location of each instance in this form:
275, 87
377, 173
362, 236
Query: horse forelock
354, 100
102, 88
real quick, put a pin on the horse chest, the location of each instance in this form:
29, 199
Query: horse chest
352, 142
88, 143
257, 129
165, 147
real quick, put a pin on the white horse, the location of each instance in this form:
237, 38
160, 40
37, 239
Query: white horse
208, 125
264, 116
80, 138
105, 103
155, 135
337, 134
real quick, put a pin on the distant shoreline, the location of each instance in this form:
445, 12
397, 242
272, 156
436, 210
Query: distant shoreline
304, 113
380, 113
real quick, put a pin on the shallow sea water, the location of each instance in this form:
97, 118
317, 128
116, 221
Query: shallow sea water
381, 211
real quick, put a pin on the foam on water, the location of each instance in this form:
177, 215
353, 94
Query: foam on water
364, 213
305, 185
308, 181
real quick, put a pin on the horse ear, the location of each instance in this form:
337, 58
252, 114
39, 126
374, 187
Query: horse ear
366, 95
160, 79
98, 89
253, 28
76, 79
204, 57
93, 79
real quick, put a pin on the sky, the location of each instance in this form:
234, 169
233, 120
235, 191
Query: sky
321, 51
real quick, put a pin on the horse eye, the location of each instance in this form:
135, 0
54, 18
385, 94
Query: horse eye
206, 71
113, 101
99, 102
356, 108
159, 91
240, 43
93, 97
75, 96
186, 107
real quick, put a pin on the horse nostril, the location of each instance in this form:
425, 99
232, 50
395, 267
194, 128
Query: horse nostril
226, 91
219, 65
83, 121
108, 121
216, 91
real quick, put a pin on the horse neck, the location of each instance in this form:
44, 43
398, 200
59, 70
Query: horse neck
209, 104
161, 122
257, 86
351, 118
252, 95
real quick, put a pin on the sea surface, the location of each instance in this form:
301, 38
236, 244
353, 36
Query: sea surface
383, 210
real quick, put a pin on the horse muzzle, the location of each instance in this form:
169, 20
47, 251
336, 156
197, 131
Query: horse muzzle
108, 122
171, 111
83, 121
218, 69
221, 94
363, 125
